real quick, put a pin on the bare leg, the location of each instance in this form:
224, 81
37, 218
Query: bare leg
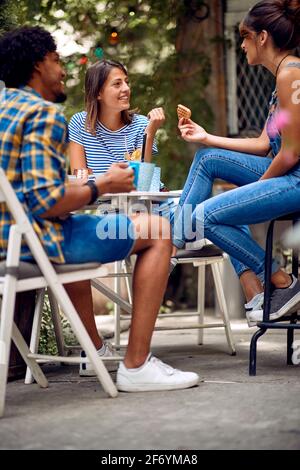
251, 285
281, 279
149, 284
81, 295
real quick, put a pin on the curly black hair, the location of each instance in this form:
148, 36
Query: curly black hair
20, 50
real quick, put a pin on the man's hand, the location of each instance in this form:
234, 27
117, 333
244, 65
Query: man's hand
156, 119
118, 179
191, 132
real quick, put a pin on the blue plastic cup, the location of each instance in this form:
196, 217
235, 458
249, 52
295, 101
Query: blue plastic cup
136, 168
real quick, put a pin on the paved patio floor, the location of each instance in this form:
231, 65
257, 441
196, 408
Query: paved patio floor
228, 410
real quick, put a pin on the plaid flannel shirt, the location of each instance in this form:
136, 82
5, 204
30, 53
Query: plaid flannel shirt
33, 141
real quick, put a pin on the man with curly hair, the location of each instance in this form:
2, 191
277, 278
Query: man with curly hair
33, 141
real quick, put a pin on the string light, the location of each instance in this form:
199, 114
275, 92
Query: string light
83, 60
99, 53
114, 37
132, 11
71, 66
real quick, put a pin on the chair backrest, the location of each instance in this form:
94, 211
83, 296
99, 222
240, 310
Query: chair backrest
7, 195
24, 228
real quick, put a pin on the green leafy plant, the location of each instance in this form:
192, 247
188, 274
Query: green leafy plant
159, 44
47, 344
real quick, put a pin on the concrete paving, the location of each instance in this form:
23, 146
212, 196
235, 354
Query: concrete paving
228, 410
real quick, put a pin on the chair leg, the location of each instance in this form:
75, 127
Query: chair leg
84, 340
117, 309
290, 332
127, 267
35, 332
290, 341
252, 358
31, 363
223, 307
7, 317
8, 332
201, 302
268, 272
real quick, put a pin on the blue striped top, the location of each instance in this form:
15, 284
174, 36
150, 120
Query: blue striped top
107, 147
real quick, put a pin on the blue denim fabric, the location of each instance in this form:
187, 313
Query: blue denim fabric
272, 130
275, 141
165, 208
223, 218
83, 244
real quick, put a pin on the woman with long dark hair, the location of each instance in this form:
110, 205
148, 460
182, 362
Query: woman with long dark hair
108, 131
269, 184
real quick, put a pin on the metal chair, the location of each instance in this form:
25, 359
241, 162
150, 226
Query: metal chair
282, 323
17, 276
208, 256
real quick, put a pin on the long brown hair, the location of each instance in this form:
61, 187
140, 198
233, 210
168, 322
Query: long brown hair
95, 78
280, 18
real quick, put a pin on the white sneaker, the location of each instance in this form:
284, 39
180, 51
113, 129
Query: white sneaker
154, 375
256, 303
86, 369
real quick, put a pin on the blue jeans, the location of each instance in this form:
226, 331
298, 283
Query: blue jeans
223, 219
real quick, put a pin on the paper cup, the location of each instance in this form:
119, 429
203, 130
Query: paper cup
145, 176
155, 183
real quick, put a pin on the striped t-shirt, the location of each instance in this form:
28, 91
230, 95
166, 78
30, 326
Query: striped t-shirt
107, 147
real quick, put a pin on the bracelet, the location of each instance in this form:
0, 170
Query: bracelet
94, 191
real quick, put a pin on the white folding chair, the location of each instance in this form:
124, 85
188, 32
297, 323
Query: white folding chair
17, 276
212, 256
209, 255
122, 269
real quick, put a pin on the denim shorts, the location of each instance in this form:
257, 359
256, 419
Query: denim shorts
102, 239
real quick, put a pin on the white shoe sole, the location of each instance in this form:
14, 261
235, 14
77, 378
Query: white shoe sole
110, 366
286, 309
156, 387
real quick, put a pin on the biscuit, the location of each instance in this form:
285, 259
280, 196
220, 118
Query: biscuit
136, 155
183, 112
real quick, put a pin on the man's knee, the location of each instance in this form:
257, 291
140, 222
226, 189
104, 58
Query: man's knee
152, 227
160, 228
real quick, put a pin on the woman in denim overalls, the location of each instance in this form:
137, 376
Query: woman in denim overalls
269, 187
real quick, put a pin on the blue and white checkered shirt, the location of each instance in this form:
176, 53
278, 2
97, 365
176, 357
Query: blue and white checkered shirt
33, 141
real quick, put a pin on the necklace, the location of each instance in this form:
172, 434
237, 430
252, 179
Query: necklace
280, 64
